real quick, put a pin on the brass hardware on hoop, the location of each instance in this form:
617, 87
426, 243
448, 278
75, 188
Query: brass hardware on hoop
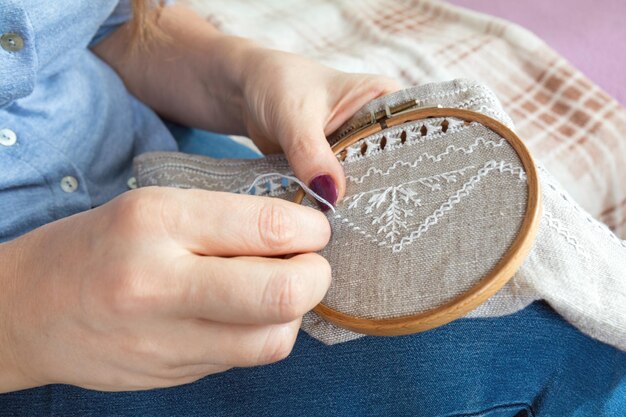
380, 117
488, 285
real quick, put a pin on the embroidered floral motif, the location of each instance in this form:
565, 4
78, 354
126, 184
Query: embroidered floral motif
390, 208
393, 218
432, 182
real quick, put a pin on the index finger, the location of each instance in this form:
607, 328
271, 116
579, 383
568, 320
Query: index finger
226, 224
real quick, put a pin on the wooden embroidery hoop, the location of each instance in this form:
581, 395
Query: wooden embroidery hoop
500, 274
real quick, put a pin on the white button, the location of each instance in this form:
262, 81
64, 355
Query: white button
69, 184
132, 183
7, 137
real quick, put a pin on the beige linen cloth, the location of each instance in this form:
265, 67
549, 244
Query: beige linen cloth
430, 207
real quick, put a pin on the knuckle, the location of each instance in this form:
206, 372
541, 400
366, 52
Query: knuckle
322, 226
123, 300
173, 216
277, 346
134, 209
137, 202
324, 270
148, 350
303, 146
377, 85
276, 227
286, 296
128, 295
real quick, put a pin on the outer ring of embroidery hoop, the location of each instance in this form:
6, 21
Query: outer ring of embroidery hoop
500, 274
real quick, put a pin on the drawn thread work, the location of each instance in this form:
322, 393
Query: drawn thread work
425, 156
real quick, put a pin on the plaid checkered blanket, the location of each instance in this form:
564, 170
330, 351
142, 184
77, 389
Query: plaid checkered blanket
572, 126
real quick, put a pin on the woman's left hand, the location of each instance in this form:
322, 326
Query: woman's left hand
199, 77
291, 104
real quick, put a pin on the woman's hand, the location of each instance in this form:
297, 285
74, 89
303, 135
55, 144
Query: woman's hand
202, 78
291, 104
157, 288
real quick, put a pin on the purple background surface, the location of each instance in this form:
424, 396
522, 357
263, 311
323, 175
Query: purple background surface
591, 34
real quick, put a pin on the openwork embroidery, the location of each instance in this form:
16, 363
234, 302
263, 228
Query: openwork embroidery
426, 156
482, 100
390, 139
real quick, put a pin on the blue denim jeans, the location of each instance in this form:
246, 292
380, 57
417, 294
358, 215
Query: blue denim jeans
531, 363
200, 142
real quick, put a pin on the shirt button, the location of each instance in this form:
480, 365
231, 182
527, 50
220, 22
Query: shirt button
7, 137
11, 42
69, 184
132, 183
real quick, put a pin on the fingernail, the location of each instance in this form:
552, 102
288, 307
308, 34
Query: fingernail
325, 187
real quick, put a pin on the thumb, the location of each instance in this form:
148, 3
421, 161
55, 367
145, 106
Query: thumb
313, 161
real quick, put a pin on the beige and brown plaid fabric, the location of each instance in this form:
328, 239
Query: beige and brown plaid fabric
570, 124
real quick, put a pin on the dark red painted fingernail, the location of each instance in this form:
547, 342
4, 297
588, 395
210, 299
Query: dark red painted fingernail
325, 187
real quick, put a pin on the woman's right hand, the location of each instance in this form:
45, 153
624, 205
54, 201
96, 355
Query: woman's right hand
159, 287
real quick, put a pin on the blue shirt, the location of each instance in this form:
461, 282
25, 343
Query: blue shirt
69, 129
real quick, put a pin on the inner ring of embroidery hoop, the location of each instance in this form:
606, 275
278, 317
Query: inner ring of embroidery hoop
489, 284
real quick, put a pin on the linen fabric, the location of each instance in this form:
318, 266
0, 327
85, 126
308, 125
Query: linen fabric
429, 213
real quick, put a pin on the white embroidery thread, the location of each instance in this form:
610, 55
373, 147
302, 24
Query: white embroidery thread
564, 232
433, 158
401, 201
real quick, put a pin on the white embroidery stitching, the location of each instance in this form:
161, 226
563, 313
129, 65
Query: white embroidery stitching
434, 158
501, 166
564, 232
357, 228
392, 219
449, 176
547, 180
418, 132
432, 182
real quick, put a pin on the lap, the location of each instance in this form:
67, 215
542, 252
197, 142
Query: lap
505, 366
